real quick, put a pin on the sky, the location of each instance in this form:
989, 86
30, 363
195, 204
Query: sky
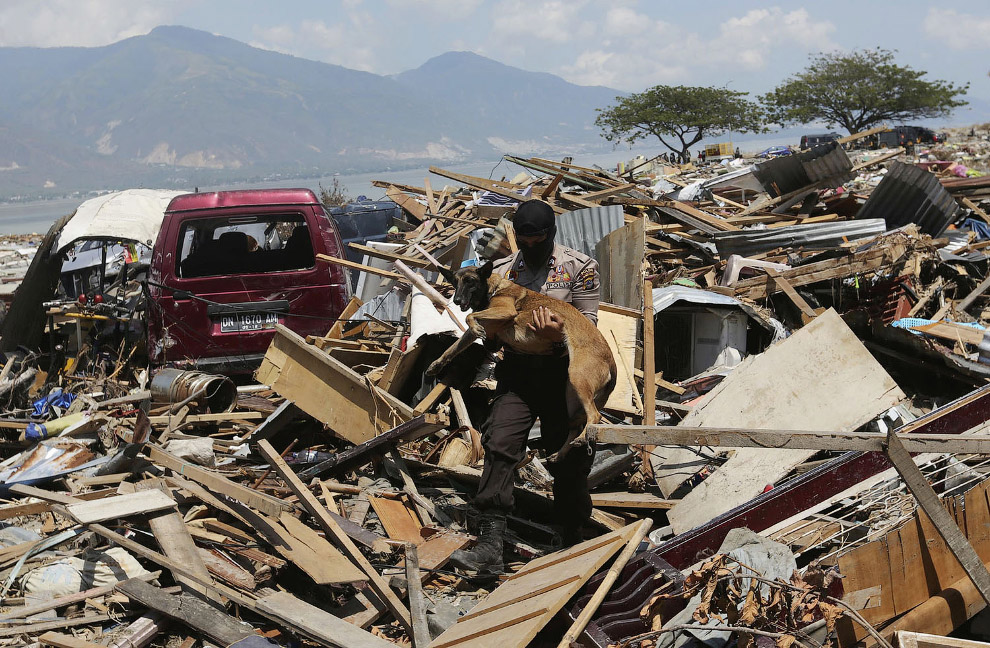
628, 45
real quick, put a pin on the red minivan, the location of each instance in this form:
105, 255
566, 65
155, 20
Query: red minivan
229, 265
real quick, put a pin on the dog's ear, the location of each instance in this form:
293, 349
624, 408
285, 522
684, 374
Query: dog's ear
446, 273
485, 271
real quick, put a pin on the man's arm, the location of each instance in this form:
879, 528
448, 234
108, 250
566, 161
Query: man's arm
586, 290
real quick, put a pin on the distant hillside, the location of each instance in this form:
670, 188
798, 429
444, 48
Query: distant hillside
512, 104
180, 105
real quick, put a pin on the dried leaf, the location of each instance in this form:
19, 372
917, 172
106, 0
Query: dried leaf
785, 641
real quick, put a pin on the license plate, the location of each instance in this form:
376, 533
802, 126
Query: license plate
239, 322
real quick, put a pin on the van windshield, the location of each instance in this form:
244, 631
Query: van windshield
244, 244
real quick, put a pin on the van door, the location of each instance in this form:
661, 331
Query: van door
236, 273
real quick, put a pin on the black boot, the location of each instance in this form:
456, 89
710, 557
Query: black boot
486, 556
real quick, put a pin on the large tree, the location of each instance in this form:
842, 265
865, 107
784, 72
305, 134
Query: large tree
858, 90
687, 113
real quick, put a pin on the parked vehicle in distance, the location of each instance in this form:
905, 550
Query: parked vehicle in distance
775, 152
229, 265
810, 141
906, 136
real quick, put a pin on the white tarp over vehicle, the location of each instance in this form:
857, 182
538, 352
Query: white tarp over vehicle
131, 215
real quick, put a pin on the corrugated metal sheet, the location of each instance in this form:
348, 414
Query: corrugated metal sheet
908, 194
814, 236
825, 165
581, 229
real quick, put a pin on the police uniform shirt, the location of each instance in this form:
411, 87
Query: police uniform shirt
568, 275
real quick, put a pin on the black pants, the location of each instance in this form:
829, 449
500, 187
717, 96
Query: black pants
531, 387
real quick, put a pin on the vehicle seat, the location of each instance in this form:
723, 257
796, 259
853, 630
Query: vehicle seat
298, 250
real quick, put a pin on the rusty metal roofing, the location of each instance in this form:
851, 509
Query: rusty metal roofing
825, 165
811, 236
908, 194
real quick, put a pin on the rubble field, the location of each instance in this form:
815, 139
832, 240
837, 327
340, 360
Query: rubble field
795, 453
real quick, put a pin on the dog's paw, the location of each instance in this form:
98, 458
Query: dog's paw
435, 367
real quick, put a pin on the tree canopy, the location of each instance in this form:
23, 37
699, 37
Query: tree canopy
687, 113
859, 90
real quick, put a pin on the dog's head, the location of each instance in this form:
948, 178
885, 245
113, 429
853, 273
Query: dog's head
470, 286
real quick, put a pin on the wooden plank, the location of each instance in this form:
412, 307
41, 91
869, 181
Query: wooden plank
172, 536
189, 610
859, 263
605, 586
407, 202
417, 601
390, 256
908, 639
44, 626
795, 298
932, 506
326, 628
709, 219
620, 259
411, 430
328, 390
968, 300
213, 417
619, 331
821, 376
65, 641
499, 188
14, 614
400, 523
517, 609
120, 506
333, 530
317, 557
718, 437
354, 265
625, 499
217, 482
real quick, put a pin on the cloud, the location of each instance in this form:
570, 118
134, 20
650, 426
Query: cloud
353, 42
52, 23
760, 31
634, 51
956, 30
543, 22
443, 9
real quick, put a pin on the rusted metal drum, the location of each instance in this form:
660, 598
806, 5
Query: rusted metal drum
174, 386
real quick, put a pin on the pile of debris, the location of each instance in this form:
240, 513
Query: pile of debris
787, 334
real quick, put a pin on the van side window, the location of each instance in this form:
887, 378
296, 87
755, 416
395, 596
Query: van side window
244, 244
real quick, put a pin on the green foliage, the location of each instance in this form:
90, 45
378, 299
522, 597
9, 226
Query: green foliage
859, 90
688, 113
335, 195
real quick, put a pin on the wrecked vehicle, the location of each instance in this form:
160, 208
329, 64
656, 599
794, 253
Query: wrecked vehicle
230, 265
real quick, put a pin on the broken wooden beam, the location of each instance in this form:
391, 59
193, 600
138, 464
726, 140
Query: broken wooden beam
942, 520
411, 430
718, 437
333, 530
189, 610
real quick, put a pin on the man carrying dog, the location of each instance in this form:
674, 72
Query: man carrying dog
534, 386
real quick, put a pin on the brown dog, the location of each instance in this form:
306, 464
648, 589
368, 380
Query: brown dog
503, 310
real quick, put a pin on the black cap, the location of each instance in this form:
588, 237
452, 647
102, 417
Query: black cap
534, 217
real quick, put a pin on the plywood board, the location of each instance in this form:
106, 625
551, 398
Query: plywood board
317, 623
511, 615
120, 506
314, 555
820, 378
399, 521
328, 390
620, 260
619, 331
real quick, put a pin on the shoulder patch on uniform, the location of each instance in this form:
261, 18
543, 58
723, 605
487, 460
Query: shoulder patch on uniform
587, 279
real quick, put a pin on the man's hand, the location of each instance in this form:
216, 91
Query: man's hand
547, 324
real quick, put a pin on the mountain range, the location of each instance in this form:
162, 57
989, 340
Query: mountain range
180, 106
